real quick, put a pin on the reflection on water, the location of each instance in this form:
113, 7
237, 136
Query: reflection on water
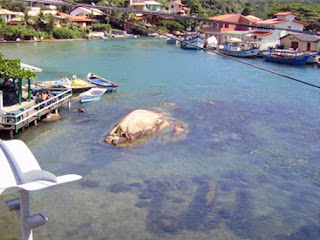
247, 169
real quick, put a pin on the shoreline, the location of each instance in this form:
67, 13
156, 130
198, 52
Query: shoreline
44, 40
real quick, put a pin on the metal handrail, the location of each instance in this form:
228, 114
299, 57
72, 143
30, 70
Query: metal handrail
37, 108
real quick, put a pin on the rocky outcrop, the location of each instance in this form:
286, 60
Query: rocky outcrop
137, 124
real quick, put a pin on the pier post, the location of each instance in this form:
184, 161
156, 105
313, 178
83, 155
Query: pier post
69, 105
29, 90
20, 91
26, 234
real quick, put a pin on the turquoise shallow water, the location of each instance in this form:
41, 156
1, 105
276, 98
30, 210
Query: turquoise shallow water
247, 169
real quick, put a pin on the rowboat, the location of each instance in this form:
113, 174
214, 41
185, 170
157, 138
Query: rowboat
102, 82
93, 94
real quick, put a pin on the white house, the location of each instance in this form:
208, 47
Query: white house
271, 38
176, 7
8, 15
82, 11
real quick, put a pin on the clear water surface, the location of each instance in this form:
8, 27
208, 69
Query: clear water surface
247, 169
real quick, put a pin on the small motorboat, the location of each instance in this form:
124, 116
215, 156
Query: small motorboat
93, 94
102, 82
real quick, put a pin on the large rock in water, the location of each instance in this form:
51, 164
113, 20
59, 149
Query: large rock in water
137, 124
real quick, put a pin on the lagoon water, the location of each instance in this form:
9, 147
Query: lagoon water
247, 169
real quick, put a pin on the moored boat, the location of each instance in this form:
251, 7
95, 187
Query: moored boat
237, 48
171, 41
93, 94
194, 43
286, 57
102, 82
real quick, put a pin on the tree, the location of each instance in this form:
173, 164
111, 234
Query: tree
246, 11
10, 69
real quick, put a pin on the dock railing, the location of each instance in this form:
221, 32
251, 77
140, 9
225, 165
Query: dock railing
13, 121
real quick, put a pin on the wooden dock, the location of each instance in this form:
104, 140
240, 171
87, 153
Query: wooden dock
18, 116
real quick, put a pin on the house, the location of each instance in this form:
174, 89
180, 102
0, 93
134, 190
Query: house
64, 19
301, 42
176, 7
147, 6
271, 38
11, 17
89, 12
222, 31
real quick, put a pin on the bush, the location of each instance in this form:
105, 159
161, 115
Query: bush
19, 31
62, 33
173, 26
44, 35
68, 33
101, 27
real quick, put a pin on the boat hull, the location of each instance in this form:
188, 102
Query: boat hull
243, 53
193, 44
93, 94
89, 99
298, 60
171, 41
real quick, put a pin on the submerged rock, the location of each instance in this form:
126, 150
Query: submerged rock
51, 117
137, 124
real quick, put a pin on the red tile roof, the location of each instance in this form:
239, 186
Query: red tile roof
271, 22
285, 14
303, 23
224, 16
260, 34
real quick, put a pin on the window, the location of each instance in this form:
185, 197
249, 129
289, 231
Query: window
289, 27
226, 25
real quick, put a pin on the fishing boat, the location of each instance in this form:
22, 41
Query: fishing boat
286, 57
102, 82
192, 43
237, 48
93, 94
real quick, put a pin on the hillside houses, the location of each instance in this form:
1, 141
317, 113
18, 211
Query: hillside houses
268, 37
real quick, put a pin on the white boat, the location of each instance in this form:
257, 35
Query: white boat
194, 43
237, 48
30, 67
93, 94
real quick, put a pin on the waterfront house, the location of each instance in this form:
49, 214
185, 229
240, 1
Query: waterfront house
271, 38
97, 14
11, 17
223, 31
176, 7
64, 19
301, 42
147, 6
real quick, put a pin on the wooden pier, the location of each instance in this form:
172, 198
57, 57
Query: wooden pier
20, 116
